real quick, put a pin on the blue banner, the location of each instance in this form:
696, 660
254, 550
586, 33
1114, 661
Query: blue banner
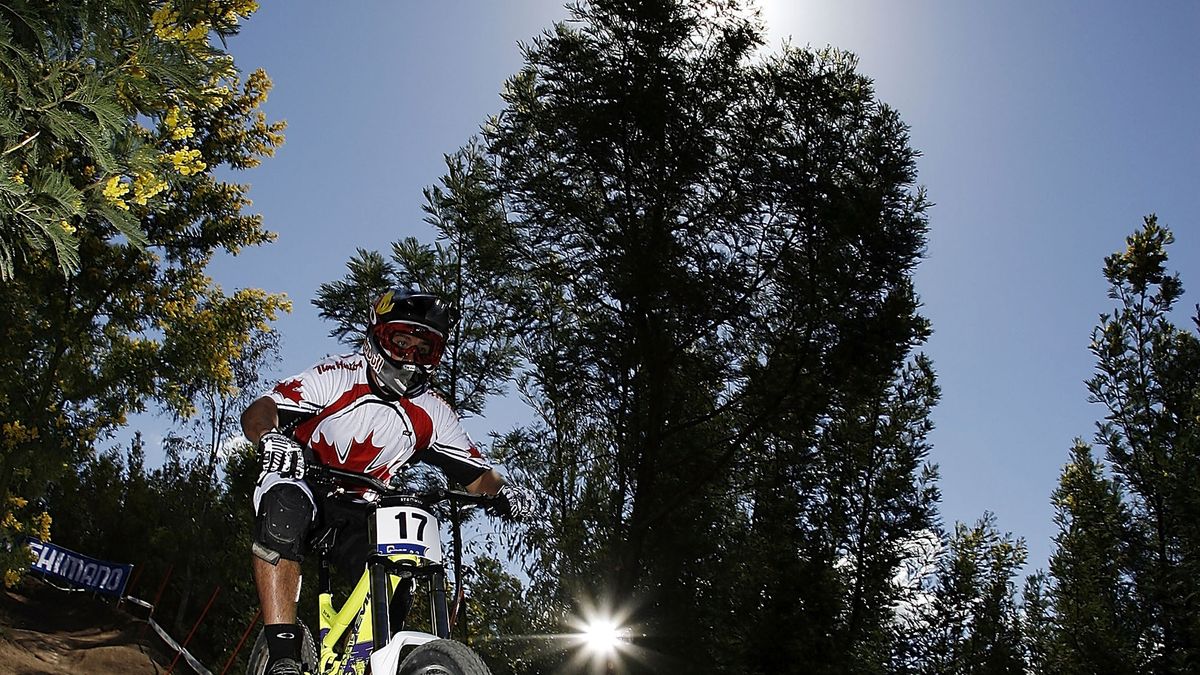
87, 573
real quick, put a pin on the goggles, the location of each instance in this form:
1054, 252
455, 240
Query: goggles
409, 343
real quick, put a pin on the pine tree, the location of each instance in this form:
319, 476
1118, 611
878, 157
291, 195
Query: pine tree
971, 622
460, 267
1037, 623
711, 256
479, 358
698, 262
1098, 626
1148, 379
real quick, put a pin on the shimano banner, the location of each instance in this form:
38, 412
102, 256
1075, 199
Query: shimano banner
82, 571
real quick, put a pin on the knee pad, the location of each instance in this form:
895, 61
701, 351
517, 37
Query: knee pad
285, 515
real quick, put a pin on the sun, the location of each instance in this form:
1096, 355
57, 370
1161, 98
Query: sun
601, 636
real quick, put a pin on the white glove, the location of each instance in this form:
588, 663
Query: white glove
513, 502
279, 454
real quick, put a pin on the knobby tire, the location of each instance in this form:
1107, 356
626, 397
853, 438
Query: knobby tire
443, 657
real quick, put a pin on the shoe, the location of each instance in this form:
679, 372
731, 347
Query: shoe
285, 667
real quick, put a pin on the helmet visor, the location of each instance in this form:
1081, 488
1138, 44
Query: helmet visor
409, 343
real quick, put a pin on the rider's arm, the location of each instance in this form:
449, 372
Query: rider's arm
261, 417
487, 484
452, 450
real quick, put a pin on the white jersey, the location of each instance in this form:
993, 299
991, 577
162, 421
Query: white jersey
334, 410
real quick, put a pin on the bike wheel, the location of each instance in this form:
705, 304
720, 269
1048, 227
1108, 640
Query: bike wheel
257, 665
443, 657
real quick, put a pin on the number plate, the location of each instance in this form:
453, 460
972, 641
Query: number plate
407, 529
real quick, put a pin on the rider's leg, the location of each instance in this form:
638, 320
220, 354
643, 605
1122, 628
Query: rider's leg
348, 555
278, 585
284, 514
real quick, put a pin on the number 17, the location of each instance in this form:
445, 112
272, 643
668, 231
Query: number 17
403, 518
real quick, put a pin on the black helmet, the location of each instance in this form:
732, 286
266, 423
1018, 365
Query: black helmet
405, 340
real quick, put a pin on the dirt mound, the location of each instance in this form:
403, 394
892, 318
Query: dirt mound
46, 631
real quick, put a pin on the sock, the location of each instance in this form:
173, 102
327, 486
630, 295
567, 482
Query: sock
283, 641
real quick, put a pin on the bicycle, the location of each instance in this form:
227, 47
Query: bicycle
404, 547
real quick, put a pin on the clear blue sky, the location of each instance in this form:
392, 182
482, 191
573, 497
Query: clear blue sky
1047, 130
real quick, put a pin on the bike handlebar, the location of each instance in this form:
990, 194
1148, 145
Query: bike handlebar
321, 471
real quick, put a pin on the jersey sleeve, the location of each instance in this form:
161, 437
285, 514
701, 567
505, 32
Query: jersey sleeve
302, 396
450, 448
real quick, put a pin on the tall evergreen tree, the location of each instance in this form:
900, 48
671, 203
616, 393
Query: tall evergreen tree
464, 267
1098, 625
836, 527
972, 623
1148, 379
460, 267
699, 262
1038, 623
710, 256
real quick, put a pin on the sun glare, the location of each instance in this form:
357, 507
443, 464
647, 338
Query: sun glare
601, 636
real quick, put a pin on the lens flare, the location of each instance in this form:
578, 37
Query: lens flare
603, 638
602, 635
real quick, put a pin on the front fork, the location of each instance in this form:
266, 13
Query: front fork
440, 618
388, 618
381, 624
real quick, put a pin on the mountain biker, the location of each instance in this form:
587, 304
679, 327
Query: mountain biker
372, 412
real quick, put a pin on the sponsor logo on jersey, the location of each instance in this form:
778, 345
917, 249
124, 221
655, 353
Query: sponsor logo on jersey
336, 365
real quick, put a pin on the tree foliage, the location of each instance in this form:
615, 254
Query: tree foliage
1099, 623
971, 621
697, 262
115, 117
187, 535
80, 78
692, 257
185, 525
1128, 549
704, 262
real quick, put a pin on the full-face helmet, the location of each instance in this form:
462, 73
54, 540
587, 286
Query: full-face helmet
405, 340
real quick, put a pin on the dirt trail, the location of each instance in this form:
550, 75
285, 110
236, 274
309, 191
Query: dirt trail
45, 631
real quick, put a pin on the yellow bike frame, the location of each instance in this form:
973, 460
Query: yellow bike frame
352, 656
404, 543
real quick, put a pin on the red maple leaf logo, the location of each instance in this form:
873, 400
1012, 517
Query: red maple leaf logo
326, 451
290, 390
359, 456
